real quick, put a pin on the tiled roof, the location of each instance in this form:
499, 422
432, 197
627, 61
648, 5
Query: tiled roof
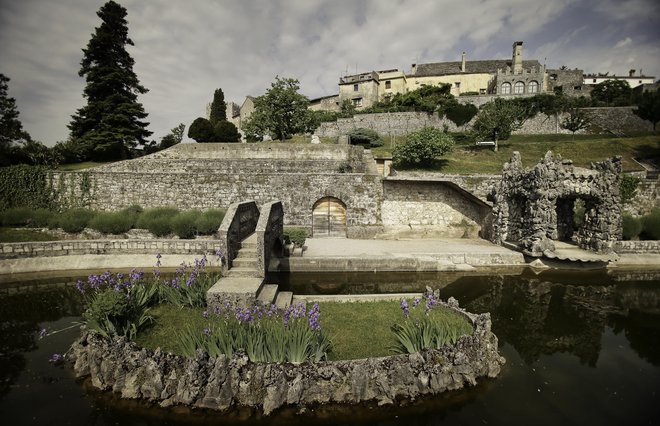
471, 67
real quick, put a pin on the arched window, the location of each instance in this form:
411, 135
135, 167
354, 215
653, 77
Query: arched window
533, 86
519, 88
506, 88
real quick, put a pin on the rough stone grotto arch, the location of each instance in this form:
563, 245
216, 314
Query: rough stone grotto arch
534, 207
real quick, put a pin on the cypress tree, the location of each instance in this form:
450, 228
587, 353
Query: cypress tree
218, 107
112, 121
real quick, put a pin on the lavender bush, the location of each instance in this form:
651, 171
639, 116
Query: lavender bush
264, 333
425, 327
118, 304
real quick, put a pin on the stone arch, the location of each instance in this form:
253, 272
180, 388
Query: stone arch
329, 218
519, 88
506, 88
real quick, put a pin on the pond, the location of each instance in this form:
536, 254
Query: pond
581, 348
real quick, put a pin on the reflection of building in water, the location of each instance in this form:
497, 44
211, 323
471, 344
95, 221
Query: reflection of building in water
543, 317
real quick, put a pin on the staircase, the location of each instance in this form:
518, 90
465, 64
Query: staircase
244, 270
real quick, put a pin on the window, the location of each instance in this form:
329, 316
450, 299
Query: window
519, 88
356, 87
533, 86
457, 85
594, 80
388, 84
357, 102
577, 87
506, 88
482, 91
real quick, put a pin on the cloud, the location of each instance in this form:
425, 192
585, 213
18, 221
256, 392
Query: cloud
185, 50
623, 43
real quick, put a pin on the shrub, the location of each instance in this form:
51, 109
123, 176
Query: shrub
628, 188
461, 114
158, 220
422, 148
209, 221
18, 216
134, 211
75, 220
40, 218
632, 227
201, 130
184, 224
651, 225
112, 223
226, 132
364, 136
297, 236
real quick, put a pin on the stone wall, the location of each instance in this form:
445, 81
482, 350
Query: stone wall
80, 247
647, 197
269, 231
638, 247
239, 222
162, 180
221, 383
478, 185
616, 120
431, 207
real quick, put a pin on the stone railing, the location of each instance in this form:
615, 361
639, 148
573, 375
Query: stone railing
269, 233
222, 382
637, 247
239, 222
81, 247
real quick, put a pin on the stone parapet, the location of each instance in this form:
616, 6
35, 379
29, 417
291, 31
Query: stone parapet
637, 247
81, 247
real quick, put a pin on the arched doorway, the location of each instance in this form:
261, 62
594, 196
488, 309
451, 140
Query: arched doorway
329, 218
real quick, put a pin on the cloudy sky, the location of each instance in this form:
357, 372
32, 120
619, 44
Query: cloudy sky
186, 49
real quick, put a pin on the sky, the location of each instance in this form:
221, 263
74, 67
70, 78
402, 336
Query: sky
184, 50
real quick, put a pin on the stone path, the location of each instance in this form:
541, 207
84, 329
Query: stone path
343, 254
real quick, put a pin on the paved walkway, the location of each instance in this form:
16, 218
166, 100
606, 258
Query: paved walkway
344, 254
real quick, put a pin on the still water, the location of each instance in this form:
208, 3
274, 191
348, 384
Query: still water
581, 348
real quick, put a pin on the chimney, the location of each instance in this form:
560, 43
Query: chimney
631, 73
463, 62
517, 62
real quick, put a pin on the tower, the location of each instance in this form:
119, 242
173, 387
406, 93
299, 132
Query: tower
517, 62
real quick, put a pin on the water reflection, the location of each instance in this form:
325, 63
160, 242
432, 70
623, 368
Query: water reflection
580, 348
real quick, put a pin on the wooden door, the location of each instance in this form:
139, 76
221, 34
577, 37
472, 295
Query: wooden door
329, 218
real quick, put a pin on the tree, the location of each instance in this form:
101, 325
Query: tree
280, 113
648, 107
11, 129
226, 132
498, 119
110, 125
201, 130
461, 114
422, 148
612, 92
218, 108
575, 121
174, 137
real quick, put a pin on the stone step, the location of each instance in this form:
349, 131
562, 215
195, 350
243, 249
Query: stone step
283, 299
267, 294
245, 262
247, 252
242, 272
250, 241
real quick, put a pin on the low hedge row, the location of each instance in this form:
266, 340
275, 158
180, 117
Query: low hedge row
160, 221
644, 228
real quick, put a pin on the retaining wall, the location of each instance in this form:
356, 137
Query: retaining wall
220, 383
637, 247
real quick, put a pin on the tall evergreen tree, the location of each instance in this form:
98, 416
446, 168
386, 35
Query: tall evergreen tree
112, 121
218, 107
11, 129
